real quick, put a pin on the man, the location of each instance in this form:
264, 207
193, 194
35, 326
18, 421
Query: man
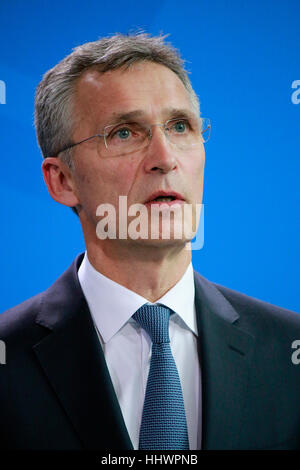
119, 118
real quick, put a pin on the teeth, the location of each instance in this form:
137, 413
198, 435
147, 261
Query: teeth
164, 199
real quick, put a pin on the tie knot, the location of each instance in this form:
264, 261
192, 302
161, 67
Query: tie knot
155, 320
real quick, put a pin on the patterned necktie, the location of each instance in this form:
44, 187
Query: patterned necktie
163, 424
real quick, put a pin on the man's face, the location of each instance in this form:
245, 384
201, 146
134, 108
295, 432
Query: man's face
155, 91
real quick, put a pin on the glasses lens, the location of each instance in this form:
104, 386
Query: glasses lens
124, 138
184, 133
206, 127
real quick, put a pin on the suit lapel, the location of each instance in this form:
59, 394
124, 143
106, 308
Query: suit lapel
72, 359
225, 355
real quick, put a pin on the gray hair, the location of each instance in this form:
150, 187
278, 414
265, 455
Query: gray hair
54, 95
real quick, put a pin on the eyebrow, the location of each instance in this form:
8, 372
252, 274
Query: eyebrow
137, 113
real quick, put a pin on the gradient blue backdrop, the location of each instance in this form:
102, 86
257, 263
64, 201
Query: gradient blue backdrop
244, 56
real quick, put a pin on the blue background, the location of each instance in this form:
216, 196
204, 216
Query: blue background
244, 56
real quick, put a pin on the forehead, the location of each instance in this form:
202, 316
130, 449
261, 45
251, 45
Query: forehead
149, 87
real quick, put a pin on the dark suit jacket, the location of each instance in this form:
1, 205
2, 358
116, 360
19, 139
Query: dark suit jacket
56, 391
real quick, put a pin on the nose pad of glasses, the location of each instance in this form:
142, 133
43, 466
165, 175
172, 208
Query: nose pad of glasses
150, 131
164, 129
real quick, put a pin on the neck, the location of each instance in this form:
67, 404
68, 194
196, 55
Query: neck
150, 271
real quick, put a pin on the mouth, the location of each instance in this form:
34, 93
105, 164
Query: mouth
164, 197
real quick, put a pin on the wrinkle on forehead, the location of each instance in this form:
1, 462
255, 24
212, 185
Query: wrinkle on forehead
145, 85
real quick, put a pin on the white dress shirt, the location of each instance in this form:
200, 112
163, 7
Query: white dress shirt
127, 347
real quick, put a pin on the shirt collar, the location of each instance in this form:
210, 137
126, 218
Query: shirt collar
112, 305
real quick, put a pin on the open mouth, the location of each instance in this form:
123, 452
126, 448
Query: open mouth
167, 197
164, 199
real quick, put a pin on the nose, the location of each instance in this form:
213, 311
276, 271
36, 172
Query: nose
161, 155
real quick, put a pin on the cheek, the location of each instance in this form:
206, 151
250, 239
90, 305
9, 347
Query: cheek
122, 173
195, 170
104, 181
195, 165
201, 160
119, 175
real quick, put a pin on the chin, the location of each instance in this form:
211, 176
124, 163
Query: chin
158, 243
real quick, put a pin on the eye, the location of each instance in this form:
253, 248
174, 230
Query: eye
180, 127
123, 133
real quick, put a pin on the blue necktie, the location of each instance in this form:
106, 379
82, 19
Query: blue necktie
163, 424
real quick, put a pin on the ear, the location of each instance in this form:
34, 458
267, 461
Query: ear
59, 181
